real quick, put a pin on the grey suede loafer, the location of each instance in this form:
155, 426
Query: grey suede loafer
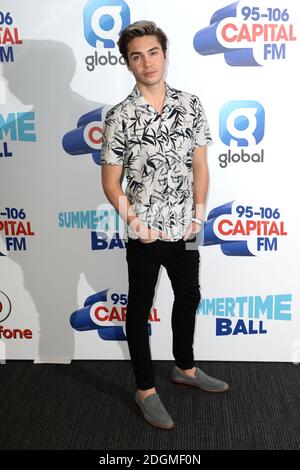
201, 380
154, 411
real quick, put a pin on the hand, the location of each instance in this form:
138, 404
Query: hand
150, 235
145, 234
192, 228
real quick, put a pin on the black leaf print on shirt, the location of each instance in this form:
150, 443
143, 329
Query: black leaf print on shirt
156, 151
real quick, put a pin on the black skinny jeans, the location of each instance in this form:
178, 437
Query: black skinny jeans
182, 265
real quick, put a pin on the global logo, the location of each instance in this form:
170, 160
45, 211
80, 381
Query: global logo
106, 315
241, 124
104, 20
247, 34
244, 229
86, 138
103, 23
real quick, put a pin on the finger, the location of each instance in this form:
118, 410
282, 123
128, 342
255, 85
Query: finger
163, 235
195, 228
187, 234
153, 234
143, 235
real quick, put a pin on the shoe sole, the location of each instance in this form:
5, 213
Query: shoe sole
199, 388
160, 426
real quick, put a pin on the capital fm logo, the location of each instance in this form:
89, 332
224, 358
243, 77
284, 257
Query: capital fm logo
9, 37
15, 228
86, 138
103, 22
106, 315
244, 229
242, 124
248, 34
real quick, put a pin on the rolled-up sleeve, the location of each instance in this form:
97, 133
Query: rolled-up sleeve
113, 144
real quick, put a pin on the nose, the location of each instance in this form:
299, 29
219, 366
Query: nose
147, 62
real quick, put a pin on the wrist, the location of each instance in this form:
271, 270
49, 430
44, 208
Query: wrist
133, 219
197, 220
134, 224
199, 211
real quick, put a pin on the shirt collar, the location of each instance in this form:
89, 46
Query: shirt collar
171, 99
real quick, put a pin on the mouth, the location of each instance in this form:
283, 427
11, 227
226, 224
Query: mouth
149, 74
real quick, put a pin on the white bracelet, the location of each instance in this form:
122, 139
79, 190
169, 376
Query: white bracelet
198, 221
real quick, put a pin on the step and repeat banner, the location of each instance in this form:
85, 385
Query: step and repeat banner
63, 272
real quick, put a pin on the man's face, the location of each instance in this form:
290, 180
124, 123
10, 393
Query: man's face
146, 60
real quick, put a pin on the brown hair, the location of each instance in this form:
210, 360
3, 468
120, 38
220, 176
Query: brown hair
139, 29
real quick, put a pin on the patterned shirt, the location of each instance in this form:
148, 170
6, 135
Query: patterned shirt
156, 151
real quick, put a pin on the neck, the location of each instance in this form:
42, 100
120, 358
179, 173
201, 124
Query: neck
152, 92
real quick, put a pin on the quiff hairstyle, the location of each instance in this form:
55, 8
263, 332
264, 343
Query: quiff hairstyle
139, 29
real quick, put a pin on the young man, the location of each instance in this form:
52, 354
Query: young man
158, 135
